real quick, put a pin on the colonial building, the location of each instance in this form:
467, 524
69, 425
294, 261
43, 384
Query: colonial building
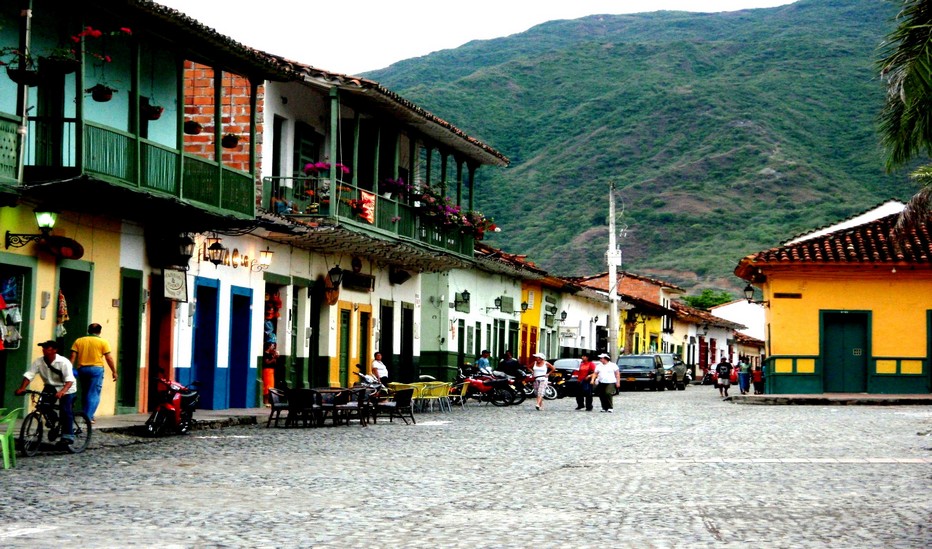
848, 307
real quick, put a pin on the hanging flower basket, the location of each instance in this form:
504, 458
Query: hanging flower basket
25, 77
191, 127
151, 112
57, 65
101, 93
229, 141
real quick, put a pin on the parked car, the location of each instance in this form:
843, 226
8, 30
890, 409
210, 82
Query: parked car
670, 361
641, 372
566, 367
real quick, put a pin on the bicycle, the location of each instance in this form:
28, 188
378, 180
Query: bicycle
45, 412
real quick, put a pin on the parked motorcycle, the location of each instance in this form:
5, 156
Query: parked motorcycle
175, 412
494, 387
556, 388
523, 385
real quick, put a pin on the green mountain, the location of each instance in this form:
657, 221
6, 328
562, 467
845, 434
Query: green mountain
724, 134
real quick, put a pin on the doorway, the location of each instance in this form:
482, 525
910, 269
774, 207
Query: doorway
387, 338
344, 347
844, 352
407, 343
242, 376
204, 355
74, 296
130, 343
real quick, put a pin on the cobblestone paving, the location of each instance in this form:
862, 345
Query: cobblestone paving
671, 469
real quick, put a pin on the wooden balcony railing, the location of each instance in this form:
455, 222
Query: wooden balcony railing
315, 197
112, 155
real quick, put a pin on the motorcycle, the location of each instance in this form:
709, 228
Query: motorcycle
556, 388
494, 387
523, 385
175, 412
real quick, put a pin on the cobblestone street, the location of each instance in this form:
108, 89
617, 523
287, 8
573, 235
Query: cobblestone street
671, 469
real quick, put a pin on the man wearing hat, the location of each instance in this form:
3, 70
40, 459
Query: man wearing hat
55, 370
541, 370
606, 374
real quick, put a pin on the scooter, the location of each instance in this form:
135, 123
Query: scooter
175, 412
495, 387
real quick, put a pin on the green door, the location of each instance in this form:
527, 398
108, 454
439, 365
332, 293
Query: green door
344, 347
844, 352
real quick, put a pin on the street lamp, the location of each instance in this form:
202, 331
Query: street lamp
264, 261
749, 296
45, 219
336, 276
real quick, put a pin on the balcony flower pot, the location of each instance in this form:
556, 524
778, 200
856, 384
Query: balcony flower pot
25, 77
229, 141
101, 93
191, 127
151, 112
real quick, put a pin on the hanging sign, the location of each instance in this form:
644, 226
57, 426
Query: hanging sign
176, 285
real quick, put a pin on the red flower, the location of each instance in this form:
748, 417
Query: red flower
126, 30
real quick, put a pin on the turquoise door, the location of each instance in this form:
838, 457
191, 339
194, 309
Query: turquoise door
844, 352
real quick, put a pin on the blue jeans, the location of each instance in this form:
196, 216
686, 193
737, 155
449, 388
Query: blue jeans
66, 416
744, 381
92, 381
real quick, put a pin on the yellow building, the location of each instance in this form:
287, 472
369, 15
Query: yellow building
848, 308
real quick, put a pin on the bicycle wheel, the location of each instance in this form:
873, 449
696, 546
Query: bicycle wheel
82, 433
30, 434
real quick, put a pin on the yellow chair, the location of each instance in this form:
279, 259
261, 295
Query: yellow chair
436, 391
8, 438
459, 393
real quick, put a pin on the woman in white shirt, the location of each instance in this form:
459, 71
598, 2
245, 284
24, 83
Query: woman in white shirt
541, 370
606, 374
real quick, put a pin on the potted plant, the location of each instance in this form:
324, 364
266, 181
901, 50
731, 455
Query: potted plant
191, 127
20, 67
101, 92
229, 141
148, 111
59, 61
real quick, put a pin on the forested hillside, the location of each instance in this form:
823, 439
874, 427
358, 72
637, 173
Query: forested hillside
724, 133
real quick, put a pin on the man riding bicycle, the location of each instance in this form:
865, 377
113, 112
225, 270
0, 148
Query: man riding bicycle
56, 371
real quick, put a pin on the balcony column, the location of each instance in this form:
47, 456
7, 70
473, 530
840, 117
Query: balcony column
459, 183
334, 126
357, 125
376, 157
429, 165
443, 173
253, 106
22, 92
472, 186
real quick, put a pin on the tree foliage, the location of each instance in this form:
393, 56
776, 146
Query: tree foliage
708, 299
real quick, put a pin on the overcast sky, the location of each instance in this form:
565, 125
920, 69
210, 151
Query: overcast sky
354, 36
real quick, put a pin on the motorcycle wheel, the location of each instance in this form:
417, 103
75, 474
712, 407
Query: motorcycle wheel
30, 434
519, 396
501, 397
82, 433
550, 393
155, 425
186, 422
528, 390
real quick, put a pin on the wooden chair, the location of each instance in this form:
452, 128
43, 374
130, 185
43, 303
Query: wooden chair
279, 403
398, 406
8, 437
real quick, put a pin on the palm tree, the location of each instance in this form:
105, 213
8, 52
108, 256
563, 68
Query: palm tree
906, 117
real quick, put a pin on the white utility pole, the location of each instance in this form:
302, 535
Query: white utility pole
613, 258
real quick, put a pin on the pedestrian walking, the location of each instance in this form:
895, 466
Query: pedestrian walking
541, 370
758, 377
744, 376
584, 375
607, 380
88, 356
723, 369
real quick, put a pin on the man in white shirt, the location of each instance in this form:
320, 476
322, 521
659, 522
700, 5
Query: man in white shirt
606, 374
58, 375
379, 370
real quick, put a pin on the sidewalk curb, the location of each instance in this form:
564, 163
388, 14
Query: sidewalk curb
199, 425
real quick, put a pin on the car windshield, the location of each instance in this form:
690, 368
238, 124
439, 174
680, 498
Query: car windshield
667, 361
636, 362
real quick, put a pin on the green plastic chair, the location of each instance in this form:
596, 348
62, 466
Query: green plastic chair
8, 438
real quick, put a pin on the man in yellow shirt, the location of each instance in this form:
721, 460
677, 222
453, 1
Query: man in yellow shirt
88, 355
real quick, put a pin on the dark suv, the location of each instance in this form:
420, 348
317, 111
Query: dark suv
671, 361
641, 371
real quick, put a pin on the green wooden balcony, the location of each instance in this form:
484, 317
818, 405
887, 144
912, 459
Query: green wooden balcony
312, 198
124, 159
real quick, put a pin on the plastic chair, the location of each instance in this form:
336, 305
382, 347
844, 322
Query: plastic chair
436, 391
459, 393
8, 438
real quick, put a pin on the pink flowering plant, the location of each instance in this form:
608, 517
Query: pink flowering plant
445, 213
398, 187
